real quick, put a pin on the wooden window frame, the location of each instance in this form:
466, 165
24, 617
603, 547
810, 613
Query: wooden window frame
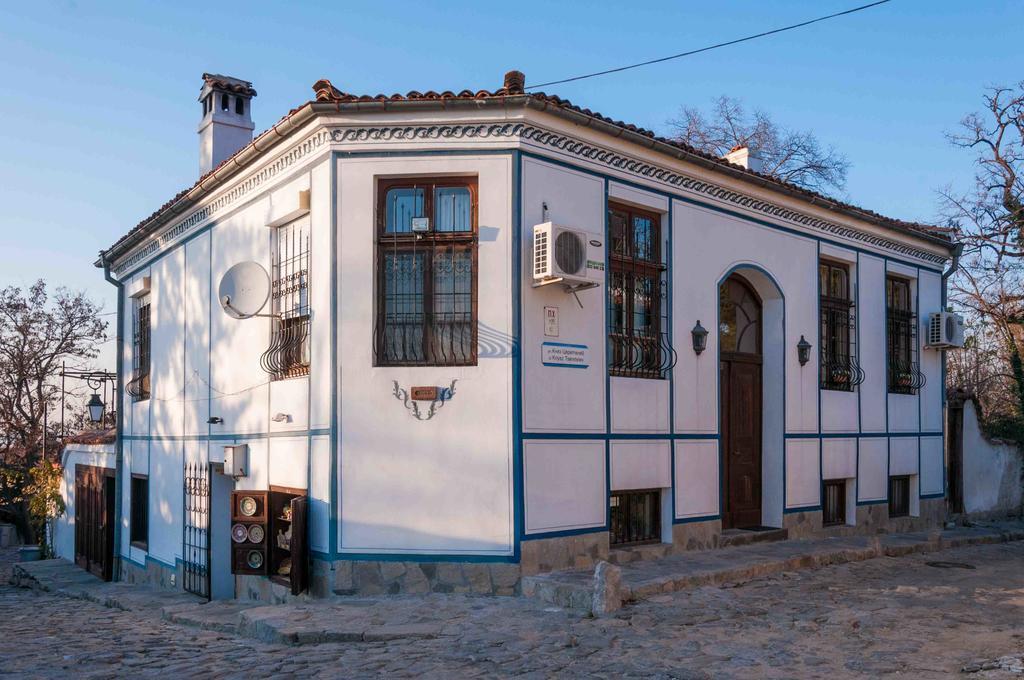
134, 541
630, 268
432, 243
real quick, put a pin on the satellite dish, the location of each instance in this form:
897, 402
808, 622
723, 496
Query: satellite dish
244, 290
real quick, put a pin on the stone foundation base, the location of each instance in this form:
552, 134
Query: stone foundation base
153, 574
696, 535
371, 577
805, 524
582, 551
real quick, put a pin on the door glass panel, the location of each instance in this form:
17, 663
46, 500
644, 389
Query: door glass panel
739, 318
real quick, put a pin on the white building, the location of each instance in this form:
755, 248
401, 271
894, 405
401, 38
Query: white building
448, 422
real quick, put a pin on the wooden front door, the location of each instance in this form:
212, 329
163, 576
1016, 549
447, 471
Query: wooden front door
740, 407
94, 520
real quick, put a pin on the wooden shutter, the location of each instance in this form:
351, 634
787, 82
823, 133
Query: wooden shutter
299, 545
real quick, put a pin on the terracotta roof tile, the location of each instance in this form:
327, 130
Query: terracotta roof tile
93, 437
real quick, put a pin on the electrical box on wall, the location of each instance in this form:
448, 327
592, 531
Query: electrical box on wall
236, 460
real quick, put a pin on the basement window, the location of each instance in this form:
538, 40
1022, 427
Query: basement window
833, 502
899, 496
139, 529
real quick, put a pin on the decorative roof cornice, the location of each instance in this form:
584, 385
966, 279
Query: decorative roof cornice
516, 132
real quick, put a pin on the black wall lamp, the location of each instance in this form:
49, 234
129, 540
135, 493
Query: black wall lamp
803, 350
700, 338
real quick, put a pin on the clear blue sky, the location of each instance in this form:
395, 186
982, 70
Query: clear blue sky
98, 106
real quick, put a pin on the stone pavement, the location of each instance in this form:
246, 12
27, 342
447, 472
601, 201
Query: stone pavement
890, 615
642, 580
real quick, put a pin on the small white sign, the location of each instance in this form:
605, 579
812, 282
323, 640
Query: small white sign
421, 224
565, 355
551, 322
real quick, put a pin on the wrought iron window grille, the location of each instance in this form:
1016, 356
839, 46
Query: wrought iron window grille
899, 496
287, 355
833, 505
638, 338
840, 369
635, 517
139, 386
904, 374
427, 250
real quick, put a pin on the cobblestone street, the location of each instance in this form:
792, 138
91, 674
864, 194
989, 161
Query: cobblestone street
882, 616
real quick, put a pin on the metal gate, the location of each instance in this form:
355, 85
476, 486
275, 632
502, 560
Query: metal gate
196, 528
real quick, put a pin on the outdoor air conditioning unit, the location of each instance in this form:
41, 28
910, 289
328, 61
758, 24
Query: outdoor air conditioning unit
945, 330
563, 255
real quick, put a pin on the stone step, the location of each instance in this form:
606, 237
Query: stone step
737, 537
642, 579
636, 553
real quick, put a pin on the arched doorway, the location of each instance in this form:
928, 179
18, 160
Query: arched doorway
740, 331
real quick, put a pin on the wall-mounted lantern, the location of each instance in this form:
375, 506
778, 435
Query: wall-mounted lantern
700, 338
803, 351
96, 408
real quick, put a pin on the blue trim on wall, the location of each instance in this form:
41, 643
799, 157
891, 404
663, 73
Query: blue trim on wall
518, 486
876, 501
228, 437
691, 520
333, 525
802, 508
412, 557
596, 529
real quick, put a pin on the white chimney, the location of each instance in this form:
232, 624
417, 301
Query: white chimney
740, 155
227, 119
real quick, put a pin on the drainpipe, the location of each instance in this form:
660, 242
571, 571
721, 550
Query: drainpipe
958, 250
118, 423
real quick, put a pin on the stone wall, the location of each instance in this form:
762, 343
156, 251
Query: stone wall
154, 574
696, 535
385, 577
582, 551
805, 524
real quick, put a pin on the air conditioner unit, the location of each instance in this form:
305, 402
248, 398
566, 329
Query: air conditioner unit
566, 255
945, 329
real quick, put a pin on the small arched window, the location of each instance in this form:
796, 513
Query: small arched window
239, 106
225, 105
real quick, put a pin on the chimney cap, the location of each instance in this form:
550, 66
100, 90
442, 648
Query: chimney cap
515, 82
216, 81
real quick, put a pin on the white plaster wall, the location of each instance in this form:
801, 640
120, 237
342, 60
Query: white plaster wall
930, 396
697, 478
64, 526
707, 244
933, 463
167, 323
992, 470
559, 399
564, 485
838, 458
803, 475
287, 461
871, 336
640, 464
639, 405
320, 494
199, 297
166, 474
903, 456
443, 485
873, 472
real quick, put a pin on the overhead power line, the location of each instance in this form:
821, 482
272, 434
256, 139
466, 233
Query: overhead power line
708, 48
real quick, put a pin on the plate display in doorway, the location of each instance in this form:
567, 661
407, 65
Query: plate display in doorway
254, 559
247, 506
256, 533
239, 533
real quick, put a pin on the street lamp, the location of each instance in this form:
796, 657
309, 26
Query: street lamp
95, 407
